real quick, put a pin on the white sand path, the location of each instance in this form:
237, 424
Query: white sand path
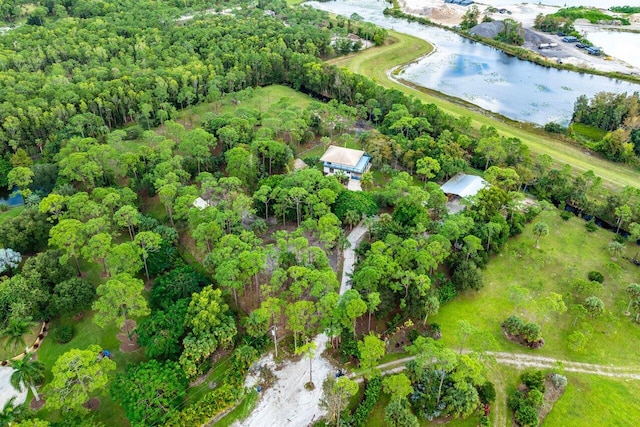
287, 402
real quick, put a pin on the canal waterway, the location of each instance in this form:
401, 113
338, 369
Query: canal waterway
485, 76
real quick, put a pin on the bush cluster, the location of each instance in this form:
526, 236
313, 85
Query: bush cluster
360, 415
63, 334
525, 404
529, 332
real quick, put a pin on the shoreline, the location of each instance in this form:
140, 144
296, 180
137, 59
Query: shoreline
564, 57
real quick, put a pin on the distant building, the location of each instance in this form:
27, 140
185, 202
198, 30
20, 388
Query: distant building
463, 185
353, 162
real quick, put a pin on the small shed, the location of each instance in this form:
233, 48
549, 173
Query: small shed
200, 203
463, 185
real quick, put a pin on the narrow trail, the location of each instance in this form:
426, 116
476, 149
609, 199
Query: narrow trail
523, 361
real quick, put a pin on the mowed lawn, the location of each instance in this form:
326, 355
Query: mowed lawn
590, 400
403, 49
569, 251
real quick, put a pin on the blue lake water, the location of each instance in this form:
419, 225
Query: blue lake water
10, 198
485, 76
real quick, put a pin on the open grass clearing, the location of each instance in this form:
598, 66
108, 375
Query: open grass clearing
567, 252
376, 62
591, 400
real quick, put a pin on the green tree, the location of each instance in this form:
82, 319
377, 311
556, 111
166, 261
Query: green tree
431, 306
335, 396
15, 331
148, 242
594, 306
124, 258
119, 297
300, 315
308, 350
633, 292
29, 372
211, 327
398, 386
151, 391
371, 350
373, 301
161, 333
127, 216
68, 235
98, 248
398, 414
540, 229
20, 177
472, 245
76, 374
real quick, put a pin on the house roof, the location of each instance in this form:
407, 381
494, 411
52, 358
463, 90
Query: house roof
464, 185
342, 156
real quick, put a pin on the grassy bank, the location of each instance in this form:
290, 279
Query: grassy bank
375, 63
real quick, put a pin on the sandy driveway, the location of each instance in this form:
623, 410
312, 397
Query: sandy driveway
287, 402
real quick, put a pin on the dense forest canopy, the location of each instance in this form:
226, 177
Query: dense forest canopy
101, 134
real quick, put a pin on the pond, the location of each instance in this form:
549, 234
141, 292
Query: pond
10, 198
484, 76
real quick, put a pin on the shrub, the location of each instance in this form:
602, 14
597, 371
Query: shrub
447, 292
534, 380
554, 127
591, 226
596, 276
531, 332
566, 215
363, 410
527, 416
487, 392
63, 334
513, 325
558, 380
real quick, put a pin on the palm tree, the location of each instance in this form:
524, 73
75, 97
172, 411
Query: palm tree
28, 372
16, 330
11, 412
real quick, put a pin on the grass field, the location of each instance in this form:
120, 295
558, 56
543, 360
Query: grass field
567, 252
375, 62
590, 400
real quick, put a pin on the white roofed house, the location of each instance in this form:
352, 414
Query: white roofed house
352, 162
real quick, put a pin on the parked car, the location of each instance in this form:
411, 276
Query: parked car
581, 45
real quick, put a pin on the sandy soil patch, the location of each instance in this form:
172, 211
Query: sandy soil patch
287, 402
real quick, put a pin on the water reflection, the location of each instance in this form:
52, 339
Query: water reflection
485, 76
